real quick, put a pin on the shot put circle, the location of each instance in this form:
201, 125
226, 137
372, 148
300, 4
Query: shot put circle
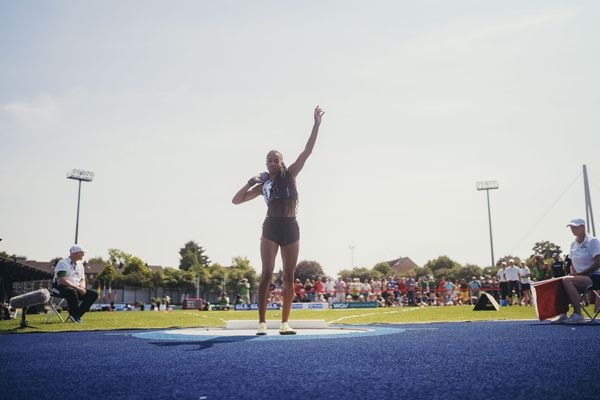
228, 335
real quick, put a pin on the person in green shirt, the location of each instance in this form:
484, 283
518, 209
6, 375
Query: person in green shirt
245, 291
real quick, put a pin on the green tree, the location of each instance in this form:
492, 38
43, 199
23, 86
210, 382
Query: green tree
308, 270
156, 280
384, 269
108, 274
489, 271
443, 267
192, 254
136, 273
422, 271
176, 278
467, 272
137, 279
364, 274
239, 269
97, 260
240, 262
118, 258
546, 249
187, 280
171, 277
442, 262
135, 265
217, 276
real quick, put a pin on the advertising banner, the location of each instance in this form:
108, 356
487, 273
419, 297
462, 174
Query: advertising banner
254, 307
310, 306
365, 304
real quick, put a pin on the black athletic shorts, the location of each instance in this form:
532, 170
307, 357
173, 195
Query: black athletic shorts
595, 281
281, 230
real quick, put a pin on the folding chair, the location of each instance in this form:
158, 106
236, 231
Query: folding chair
585, 295
56, 302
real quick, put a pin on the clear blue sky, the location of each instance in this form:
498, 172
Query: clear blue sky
174, 105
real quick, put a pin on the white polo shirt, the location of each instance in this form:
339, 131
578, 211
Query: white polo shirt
583, 254
512, 273
524, 273
75, 271
501, 274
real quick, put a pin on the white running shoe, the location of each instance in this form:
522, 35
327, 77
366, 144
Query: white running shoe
262, 329
575, 319
285, 329
559, 320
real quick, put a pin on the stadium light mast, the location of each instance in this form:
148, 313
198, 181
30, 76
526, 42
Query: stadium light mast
352, 247
487, 186
79, 175
588, 203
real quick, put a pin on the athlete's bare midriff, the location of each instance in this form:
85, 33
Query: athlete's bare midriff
282, 208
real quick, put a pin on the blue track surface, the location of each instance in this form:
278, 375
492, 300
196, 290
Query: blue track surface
477, 360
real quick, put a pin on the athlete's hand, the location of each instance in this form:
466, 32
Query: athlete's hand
258, 179
318, 114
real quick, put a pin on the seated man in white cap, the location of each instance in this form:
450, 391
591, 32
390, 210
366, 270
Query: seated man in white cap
69, 279
585, 269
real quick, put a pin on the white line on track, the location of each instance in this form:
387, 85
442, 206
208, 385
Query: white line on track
202, 316
369, 314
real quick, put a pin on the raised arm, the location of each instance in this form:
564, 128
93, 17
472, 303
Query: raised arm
297, 166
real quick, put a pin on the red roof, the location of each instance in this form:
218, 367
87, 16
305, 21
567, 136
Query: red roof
402, 265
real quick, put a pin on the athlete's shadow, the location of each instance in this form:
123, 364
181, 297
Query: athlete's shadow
204, 344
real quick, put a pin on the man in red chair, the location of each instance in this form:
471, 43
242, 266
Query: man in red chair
585, 270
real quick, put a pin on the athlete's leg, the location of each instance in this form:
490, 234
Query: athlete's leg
289, 256
268, 252
572, 285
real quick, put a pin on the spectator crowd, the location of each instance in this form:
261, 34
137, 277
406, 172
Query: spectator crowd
511, 285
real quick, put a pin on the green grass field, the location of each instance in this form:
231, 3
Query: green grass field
193, 318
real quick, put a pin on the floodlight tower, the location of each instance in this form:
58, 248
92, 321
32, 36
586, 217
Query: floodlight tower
79, 175
352, 247
487, 186
588, 203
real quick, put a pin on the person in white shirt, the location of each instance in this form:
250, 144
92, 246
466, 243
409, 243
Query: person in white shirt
329, 288
340, 290
512, 277
585, 256
524, 274
69, 279
504, 293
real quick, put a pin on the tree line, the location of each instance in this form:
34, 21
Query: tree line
197, 271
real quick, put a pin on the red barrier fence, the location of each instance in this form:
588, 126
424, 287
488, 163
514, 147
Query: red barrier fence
401, 291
